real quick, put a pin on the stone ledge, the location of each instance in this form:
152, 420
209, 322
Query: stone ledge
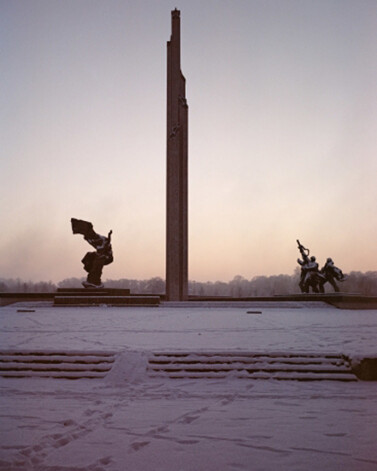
108, 300
93, 291
365, 368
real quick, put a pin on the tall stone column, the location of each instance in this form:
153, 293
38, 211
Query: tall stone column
177, 170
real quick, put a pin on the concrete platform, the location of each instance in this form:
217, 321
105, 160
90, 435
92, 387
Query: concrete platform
339, 300
82, 297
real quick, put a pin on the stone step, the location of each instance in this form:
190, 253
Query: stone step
73, 365
231, 355
294, 366
54, 374
108, 300
93, 291
283, 376
17, 358
53, 366
247, 358
322, 368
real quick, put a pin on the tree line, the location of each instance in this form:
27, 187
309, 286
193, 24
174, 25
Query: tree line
356, 283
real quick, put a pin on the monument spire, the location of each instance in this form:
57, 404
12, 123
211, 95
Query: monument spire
177, 169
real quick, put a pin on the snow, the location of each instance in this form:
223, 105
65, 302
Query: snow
131, 421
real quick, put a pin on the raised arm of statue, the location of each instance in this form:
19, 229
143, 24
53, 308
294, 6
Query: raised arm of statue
304, 253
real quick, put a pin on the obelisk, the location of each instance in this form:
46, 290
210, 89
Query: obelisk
177, 154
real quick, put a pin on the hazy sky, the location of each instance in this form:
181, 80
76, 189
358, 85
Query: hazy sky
282, 134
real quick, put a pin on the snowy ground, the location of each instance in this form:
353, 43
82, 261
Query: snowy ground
128, 421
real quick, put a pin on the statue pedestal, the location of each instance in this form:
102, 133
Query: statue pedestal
97, 297
92, 291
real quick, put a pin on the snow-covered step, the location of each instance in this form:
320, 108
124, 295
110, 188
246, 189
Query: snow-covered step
294, 366
265, 367
280, 376
93, 291
69, 365
55, 358
99, 300
246, 360
53, 374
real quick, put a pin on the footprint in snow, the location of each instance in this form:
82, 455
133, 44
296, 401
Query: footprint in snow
106, 460
227, 401
69, 422
137, 445
187, 442
189, 419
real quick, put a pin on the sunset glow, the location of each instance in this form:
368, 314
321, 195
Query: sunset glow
282, 134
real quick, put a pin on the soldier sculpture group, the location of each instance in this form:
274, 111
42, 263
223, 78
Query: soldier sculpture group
314, 278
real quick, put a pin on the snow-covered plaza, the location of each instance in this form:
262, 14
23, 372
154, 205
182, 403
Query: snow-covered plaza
130, 420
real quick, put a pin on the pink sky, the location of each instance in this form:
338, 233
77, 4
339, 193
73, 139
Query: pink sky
282, 143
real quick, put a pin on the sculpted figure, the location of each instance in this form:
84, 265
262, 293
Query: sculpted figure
94, 261
332, 273
310, 274
305, 260
307, 265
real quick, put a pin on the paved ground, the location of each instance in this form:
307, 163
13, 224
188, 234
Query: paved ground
129, 421
285, 327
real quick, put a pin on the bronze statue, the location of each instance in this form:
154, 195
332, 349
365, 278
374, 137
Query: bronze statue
312, 277
332, 273
94, 261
